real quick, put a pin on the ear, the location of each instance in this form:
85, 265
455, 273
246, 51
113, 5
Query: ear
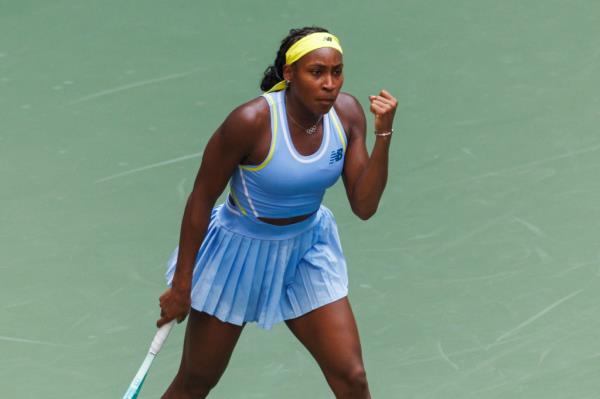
288, 72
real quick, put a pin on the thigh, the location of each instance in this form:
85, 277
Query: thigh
208, 346
330, 334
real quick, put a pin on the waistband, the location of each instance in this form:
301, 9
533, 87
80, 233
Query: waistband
232, 220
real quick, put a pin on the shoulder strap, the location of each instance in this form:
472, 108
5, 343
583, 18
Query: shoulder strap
338, 127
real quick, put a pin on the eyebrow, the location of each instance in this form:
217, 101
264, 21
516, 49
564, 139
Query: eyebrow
317, 63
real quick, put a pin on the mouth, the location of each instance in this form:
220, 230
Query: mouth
326, 100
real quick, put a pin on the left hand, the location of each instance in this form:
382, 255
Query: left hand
383, 106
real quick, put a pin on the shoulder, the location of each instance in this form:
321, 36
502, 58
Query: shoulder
346, 101
350, 112
246, 122
249, 116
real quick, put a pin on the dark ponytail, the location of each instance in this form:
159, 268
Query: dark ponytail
274, 73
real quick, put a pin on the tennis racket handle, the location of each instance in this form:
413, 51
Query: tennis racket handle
160, 337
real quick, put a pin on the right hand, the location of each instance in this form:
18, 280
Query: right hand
383, 106
174, 304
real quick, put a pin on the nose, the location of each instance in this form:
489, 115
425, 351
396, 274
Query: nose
329, 82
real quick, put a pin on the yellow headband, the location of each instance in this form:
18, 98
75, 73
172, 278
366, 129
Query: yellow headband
304, 46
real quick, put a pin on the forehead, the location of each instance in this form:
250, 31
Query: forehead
325, 55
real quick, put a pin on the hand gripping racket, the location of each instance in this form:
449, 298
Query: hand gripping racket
136, 385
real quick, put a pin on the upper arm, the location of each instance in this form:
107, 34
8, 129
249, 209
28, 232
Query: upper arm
228, 146
353, 118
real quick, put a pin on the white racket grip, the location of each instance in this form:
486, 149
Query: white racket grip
160, 337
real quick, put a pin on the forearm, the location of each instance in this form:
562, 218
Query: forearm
193, 229
371, 183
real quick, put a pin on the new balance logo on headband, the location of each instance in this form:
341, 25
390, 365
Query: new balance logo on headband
336, 156
328, 39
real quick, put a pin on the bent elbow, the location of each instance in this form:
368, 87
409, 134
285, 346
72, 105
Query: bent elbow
364, 214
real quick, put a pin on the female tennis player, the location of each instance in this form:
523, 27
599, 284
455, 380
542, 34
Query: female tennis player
271, 252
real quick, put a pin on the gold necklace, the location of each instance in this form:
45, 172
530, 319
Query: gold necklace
310, 130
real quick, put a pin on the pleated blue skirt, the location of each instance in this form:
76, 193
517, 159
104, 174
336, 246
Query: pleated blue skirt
250, 271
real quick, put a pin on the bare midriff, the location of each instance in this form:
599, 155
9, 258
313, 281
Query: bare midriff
278, 221
285, 221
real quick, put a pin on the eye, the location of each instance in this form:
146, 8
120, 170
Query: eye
337, 72
316, 72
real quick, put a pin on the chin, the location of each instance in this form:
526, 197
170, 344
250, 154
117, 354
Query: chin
323, 107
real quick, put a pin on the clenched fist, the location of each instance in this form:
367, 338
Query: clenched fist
383, 106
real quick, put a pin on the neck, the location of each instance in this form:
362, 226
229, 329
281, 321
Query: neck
299, 111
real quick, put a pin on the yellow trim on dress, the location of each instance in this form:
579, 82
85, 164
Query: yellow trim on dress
236, 201
339, 130
273, 137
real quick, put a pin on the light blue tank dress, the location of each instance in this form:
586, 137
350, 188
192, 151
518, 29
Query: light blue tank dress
247, 270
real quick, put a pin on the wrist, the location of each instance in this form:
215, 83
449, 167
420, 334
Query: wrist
384, 133
181, 285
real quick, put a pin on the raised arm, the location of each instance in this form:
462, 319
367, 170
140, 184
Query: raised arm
231, 143
365, 176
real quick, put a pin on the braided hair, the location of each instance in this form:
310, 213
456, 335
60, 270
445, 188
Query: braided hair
274, 73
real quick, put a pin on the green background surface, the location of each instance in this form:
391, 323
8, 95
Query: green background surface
478, 277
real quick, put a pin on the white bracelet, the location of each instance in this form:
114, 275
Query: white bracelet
383, 134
